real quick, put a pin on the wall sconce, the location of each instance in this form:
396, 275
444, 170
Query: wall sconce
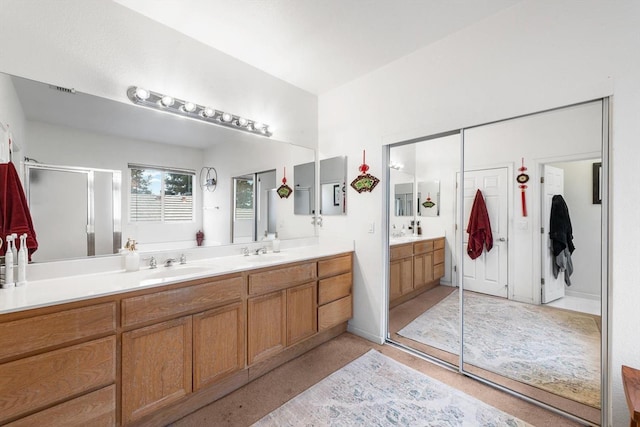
158, 101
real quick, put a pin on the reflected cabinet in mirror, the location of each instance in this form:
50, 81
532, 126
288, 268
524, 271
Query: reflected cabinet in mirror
161, 198
524, 237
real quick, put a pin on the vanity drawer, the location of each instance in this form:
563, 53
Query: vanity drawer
329, 267
438, 243
438, 256
97, 409
38, 381
159, 305
334, 288
335, 312
423, 247
48, 330
281, 278
401, 251
438, 271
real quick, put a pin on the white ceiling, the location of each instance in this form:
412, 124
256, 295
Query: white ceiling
317, 45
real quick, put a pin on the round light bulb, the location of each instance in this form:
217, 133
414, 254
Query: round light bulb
242, 121
167, 101
208, 112
189, 107
258, 126
142, 93
226, 117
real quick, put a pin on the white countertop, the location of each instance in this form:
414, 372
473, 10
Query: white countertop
411, 238
41, 293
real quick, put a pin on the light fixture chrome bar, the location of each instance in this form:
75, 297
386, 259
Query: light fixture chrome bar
158, 101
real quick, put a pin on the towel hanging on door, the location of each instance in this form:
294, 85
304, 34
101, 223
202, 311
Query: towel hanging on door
561, 235
479, 228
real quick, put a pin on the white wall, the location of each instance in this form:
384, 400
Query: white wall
585, 220
533, 56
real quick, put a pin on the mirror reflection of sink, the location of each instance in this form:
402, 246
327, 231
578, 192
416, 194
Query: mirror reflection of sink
170, 272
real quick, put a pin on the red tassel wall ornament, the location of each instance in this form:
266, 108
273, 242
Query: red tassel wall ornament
364, 181
522, 179
284, 191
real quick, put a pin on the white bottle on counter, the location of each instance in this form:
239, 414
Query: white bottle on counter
276, 243
9, 281
132, 258
22, 261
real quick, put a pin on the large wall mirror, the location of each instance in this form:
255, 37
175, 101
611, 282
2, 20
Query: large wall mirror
531, 317
164, 164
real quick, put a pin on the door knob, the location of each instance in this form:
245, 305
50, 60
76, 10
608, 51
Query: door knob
502, 239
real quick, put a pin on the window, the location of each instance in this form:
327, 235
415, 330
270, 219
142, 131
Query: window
160, 194
244, 198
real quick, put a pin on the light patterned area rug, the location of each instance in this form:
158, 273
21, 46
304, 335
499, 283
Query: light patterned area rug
554, 350
375, 390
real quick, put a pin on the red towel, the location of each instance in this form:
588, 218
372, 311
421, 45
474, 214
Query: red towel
14, 212
479, 228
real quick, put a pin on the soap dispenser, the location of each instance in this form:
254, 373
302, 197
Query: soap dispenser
9, 281
132, 258
22, 261
276, 243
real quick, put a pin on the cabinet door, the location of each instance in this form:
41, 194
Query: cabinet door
423, 270
302, 312
401, 277
267, 325
156, 367
218, 344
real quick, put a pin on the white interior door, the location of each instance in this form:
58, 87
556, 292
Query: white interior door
552, 287
488, 273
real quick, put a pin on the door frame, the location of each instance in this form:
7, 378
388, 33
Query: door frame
538, 165
461, 228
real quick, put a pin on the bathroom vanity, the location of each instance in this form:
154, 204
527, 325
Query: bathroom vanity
415, 265
156, 345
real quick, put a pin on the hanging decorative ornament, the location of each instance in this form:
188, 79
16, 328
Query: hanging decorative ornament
522, 179
428, 203
284, 191
364, 181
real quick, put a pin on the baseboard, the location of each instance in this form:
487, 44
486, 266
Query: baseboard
366, 335
579, 294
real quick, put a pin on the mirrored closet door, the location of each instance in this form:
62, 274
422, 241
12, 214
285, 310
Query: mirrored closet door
519, 238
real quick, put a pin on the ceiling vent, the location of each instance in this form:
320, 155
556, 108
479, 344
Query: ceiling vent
71, 91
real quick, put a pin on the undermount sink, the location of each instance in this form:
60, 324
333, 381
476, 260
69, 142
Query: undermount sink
170, 272
271, 257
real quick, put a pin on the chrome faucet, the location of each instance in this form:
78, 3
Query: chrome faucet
261, 250
183, 259
152, 262
169, 262
245, 251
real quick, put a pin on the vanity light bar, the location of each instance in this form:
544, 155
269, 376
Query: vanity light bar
158, 101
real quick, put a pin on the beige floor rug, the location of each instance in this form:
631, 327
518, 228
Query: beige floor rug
375, 390
554, 350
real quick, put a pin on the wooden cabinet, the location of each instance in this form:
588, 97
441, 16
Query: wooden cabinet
400, 271
156, 367
414, 268
218, 344
335, 302
266, 323
151, 356
51, 358
302, 316
167, 360
285, 313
